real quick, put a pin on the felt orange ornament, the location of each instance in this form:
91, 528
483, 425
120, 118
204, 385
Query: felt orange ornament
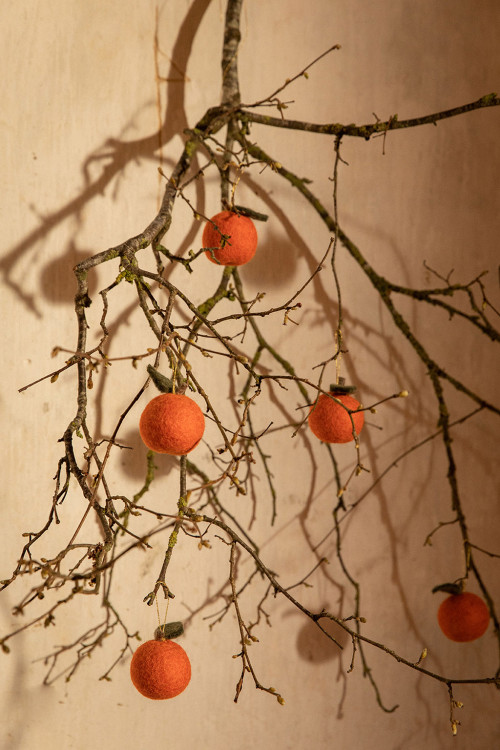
160, 669
463, 617
331, 422
172, 423
241, 242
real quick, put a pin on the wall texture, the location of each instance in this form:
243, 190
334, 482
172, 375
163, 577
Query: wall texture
86, 85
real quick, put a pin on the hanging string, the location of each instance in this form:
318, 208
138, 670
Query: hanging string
160, 624
338, 358
174, 376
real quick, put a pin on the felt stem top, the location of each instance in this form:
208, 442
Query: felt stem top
168, 631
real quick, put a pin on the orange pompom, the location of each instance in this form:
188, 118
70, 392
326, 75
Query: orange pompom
331, 423
242, 242
172, 423
463, 617
160, 669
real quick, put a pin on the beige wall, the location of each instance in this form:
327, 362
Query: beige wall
80, 101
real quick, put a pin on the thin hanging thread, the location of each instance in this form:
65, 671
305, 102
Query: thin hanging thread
339, 356
174, 378
158, 611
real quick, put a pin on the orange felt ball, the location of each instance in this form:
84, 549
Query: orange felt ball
331, 423
160, 669
242, 242
172, 423
463, 617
